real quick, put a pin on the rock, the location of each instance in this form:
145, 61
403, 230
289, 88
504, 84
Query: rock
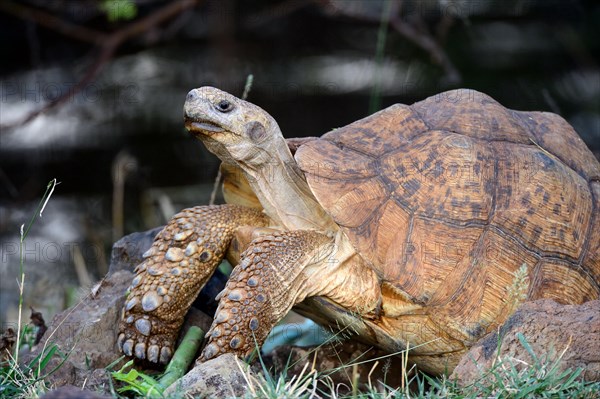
87, 332
7, 342
217, 378
128, 251
65, 374
99, 380
550, 329
72, 392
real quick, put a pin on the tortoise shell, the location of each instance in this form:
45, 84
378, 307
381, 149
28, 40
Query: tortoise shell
449, 197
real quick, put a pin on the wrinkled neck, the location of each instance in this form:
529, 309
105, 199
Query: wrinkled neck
283, 191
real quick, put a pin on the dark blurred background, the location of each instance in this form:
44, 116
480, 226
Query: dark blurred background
92, 94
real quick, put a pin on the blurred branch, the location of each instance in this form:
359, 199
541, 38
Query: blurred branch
52, 22
105, 55
375, 100
420, 38
274, 12
107, 42
428, 43
123, 165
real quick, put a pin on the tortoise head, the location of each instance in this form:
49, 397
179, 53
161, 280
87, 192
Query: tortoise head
243, 135
233, 129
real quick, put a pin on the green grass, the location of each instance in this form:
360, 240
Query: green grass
507, 378
19, 380
27, 381
137, 382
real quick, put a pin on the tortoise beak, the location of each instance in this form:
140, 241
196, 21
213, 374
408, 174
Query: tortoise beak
196, 115
201, 127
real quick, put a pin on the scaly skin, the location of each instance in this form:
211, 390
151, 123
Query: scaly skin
270, 278
181, 260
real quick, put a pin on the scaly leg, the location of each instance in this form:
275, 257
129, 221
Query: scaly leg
273, 275
181, 260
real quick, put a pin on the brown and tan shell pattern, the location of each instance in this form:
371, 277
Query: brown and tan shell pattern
449, 197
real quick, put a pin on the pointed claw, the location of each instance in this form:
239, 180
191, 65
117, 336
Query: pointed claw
210, 351
120, 340
140, 351
143, 326
153, 353
165, 355
127, 347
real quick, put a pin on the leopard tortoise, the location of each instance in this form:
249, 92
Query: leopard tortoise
421, 226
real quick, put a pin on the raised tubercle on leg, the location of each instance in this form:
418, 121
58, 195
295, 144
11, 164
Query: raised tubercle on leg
181, 260
270, 278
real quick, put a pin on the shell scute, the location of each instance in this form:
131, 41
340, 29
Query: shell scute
460, 169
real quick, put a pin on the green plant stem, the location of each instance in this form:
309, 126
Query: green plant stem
24, 232
183, 357
375, 100
248, 86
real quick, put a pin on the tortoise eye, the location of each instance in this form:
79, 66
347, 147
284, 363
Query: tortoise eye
224, 106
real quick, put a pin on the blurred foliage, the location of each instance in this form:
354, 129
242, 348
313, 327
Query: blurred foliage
117, 10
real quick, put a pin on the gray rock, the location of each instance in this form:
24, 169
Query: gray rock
550, 329
127, 252
87, 332
217, 378
72, 392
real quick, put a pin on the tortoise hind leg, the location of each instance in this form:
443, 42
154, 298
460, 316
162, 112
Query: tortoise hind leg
181, 260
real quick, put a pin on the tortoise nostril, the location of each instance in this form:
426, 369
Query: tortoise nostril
192, 95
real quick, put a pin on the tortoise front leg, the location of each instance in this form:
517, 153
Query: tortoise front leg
181, 260
272, 276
